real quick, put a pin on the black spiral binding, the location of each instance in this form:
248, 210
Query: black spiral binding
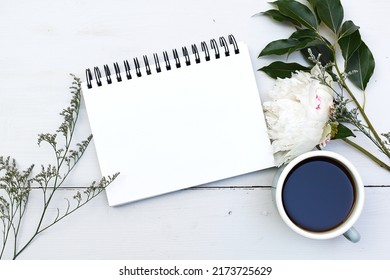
196, 53
223, 43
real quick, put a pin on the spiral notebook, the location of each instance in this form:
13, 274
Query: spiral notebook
177, 119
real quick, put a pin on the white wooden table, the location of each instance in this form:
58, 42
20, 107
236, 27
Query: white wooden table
42, 41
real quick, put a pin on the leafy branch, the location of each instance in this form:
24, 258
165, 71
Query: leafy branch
16, 185
356, 68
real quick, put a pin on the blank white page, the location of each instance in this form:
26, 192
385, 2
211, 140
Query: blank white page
179, 128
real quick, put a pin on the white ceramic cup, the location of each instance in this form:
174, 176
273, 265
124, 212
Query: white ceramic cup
346, 227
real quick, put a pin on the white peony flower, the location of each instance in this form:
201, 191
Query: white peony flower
298, 113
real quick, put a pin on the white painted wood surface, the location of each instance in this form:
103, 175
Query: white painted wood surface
43, 41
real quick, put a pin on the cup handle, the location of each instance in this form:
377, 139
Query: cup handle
352, 235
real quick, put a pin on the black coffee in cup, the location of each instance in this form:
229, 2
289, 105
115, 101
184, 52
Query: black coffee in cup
318, 194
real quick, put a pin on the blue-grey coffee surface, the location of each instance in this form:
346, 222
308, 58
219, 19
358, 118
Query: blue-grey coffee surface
318, 194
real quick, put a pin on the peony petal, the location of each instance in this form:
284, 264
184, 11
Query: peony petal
297, 114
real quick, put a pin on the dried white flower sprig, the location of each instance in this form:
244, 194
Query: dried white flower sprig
16, 185
345, 114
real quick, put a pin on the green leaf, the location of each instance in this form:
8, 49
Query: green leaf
331, 12
363, 61
341, 132
298, 12
279, 47
279, 69
278, 16
308, 39
306, 44
288, 46
304, 34
347, 29
313, 4
349, 44
326, 53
